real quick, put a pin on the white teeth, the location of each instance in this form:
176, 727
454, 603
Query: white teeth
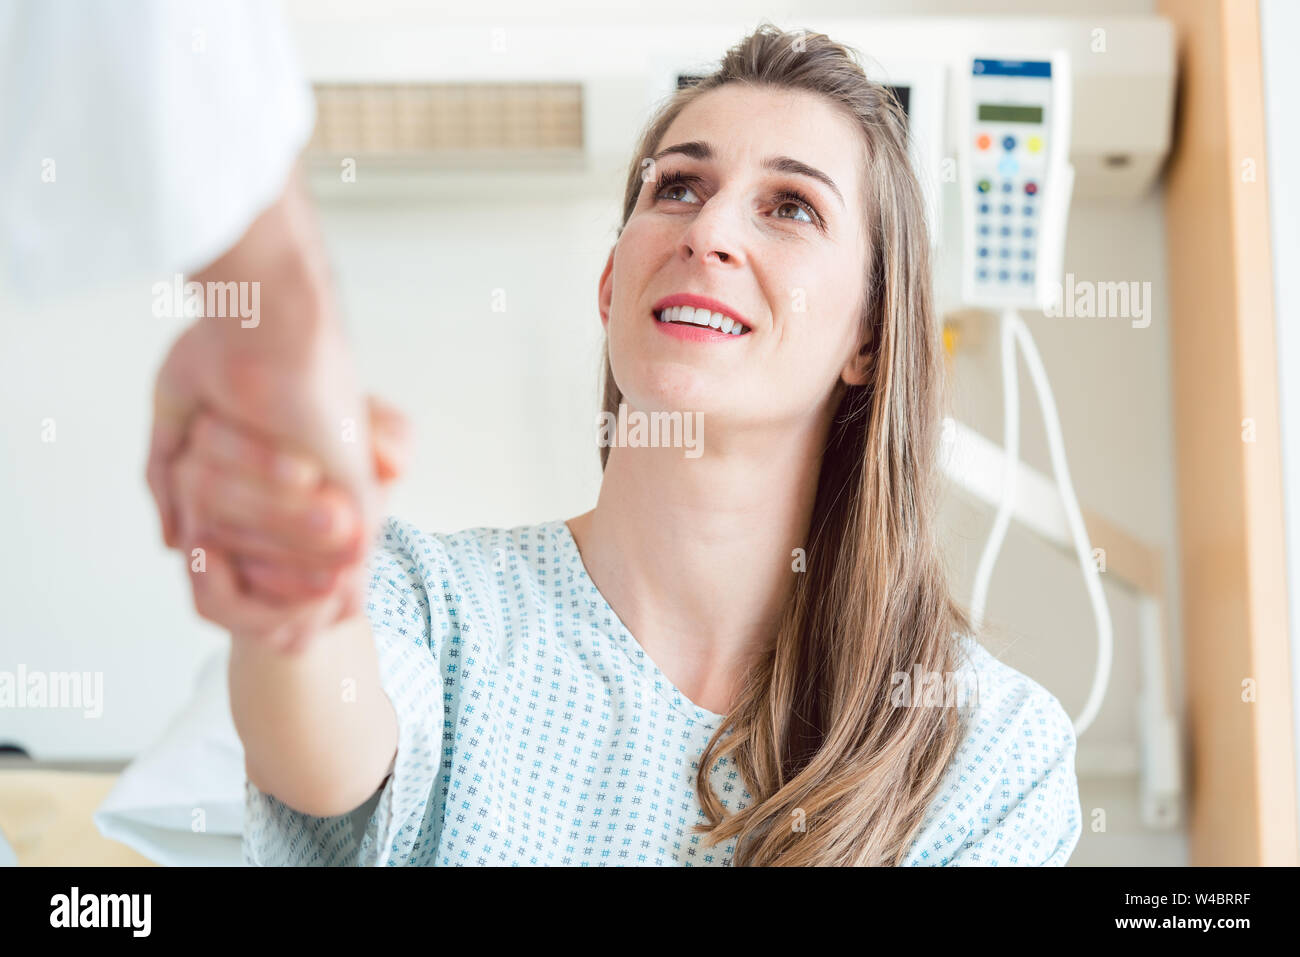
702, 317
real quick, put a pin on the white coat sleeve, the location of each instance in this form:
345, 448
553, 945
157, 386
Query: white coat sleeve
140, 138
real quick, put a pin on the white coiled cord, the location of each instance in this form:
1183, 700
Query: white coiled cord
1013, 331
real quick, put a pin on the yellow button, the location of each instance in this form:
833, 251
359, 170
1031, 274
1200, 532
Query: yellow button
1034, 144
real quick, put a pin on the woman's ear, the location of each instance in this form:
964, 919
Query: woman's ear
858, 370
605, 290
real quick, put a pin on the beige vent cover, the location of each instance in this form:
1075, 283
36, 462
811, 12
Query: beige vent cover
429, 119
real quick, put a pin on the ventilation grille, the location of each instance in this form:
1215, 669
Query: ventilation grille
430, 119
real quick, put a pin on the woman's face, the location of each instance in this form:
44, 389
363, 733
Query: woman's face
733, 230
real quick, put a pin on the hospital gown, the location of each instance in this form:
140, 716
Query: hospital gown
534, 730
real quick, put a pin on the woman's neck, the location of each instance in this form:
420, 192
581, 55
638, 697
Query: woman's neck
697, 555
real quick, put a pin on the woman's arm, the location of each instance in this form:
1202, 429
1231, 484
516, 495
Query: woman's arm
319, 732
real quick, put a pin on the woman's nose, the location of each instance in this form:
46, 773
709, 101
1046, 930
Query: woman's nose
712, 234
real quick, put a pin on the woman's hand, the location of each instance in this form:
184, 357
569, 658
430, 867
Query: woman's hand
278, 542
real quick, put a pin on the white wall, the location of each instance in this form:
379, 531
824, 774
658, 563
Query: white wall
1280, 25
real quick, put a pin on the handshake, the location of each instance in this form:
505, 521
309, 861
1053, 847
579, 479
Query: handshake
270, 472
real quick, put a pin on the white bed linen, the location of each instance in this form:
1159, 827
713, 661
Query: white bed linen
181, 802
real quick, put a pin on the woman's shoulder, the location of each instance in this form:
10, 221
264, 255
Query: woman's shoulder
473, 559
465, 585
1001, 694
1009, 794
1012, 715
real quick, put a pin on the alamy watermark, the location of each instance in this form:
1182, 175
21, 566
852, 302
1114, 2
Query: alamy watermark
636, 429
179, 299
129, 911
53, 689
933, 689
1085, 299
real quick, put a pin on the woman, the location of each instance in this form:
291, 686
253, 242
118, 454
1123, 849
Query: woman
787, 697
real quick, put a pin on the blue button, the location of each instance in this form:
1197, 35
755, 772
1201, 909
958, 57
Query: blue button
1006, 187
1027, 232
1006, 230
1026, 276
1004, 275
1008, 142
984, 207
983, 251
1006, 209
1009, 166
1026, 254
1028, 210
1006, 253
982, 274
984, 229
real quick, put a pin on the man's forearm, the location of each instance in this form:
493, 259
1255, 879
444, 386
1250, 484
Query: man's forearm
290, 374
282, 251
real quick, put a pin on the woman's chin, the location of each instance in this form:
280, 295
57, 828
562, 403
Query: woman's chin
676, 399
673, 387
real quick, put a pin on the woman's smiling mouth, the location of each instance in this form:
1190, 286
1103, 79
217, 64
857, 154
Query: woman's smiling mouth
688, 316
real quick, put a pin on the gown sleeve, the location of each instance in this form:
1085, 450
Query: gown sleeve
399, 824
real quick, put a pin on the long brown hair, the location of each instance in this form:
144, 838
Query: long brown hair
838, 772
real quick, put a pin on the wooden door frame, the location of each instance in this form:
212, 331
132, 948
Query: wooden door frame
1228, 439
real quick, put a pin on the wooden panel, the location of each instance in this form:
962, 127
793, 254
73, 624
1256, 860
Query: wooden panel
1243, 800
418, 118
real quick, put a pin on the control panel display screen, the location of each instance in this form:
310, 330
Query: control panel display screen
1004, 113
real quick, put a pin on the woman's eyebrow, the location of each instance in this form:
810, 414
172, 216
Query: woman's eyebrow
695, 149
785, 164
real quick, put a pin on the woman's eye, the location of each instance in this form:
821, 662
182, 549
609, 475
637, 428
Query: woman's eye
673, 187
796, 207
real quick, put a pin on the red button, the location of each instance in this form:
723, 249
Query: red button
1031, 187
983, 141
